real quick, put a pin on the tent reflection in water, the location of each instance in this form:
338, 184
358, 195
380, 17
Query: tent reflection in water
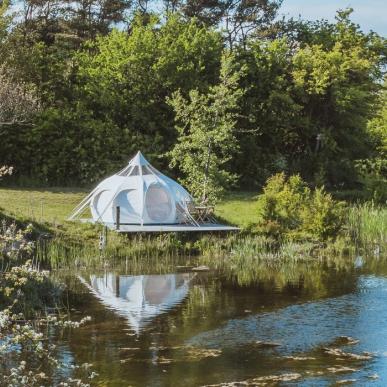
147, 201
139, 298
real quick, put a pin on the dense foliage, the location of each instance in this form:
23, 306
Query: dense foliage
100, 80
290, 208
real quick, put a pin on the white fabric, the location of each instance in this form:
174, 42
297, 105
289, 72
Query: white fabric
144, 195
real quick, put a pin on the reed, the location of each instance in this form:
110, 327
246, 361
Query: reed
367, 227
61, 252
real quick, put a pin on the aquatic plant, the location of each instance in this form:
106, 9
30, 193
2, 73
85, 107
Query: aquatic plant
367, 227
64, 252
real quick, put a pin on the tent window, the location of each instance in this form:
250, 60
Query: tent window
158, 203
135, 171
146, 170
154, 170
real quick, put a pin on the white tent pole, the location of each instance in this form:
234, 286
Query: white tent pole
125, 170
143, 195
110, 202
82, 205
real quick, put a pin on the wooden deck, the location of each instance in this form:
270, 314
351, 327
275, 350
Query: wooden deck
173, 228
202, 227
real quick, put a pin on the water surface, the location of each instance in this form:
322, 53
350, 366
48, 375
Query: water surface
192, 329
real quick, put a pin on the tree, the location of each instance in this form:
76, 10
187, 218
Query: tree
49, 20
116, 101
238, 19
206, 139
270, 114
307, 105
337, 85
246, 18
18, 102
373, 170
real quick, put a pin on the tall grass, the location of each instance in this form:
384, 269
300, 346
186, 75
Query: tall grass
367, 226
61, 252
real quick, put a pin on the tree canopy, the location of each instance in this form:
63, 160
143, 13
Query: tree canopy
225, 93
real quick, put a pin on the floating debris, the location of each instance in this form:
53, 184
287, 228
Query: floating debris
130, 349
194, 353
260, 381
341, 369
201, 268
164, 360
122, 361
300, 358
164, 348
342, 355
345, 340
184, 268
346, 381
187, 354
314, 373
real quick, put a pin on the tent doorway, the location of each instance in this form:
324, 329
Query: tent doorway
158, 203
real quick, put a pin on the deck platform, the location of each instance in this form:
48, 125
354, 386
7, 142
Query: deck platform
173, 228
132, 228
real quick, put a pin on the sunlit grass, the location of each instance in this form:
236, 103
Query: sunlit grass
239, 208
52, 205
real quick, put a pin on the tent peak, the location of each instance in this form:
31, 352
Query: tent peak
139, 159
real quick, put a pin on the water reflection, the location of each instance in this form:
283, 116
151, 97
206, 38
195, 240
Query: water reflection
285, 319
139, 298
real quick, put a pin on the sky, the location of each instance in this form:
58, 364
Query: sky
369, 14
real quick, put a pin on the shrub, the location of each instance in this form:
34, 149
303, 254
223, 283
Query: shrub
27, 295
289, 208
322, 217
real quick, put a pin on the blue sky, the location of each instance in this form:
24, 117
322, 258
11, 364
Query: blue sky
369, 14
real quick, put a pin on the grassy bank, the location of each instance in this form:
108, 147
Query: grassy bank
48, 210
366, 227
53, 206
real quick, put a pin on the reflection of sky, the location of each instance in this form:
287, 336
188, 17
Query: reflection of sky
139, 298
303, 327
370, 15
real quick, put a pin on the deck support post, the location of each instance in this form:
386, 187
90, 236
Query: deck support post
117, 217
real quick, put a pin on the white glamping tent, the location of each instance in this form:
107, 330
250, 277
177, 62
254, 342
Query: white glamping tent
140, 198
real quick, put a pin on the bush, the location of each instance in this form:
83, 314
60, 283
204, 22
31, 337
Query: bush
27, 295
289, 208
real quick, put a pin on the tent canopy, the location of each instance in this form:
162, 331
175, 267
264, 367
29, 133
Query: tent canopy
144, 195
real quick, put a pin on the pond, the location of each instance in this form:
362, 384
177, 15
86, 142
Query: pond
313, 324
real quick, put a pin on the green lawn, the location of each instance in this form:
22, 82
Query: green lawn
54, 205
239, 208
